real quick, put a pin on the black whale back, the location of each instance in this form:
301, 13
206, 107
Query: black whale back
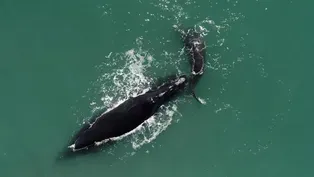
130, 114
196, 50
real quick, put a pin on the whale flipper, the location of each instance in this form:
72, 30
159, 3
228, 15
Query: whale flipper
193, 81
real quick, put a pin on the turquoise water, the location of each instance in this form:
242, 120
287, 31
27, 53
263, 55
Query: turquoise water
61, 61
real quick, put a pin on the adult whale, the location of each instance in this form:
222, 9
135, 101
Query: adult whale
128, 115
195, 47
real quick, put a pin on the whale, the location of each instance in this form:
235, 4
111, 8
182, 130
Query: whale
128, 115
195, 48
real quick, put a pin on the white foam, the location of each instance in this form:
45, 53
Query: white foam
72, 146
154, 126
108, 56
101, 142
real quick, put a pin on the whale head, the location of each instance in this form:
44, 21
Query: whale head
169, 89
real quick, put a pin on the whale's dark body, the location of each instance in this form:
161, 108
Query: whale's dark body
128, 115
195, 48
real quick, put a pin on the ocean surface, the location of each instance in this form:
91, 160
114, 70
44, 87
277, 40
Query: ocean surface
62, 62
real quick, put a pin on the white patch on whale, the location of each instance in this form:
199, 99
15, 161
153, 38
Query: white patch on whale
180, 81
161, 94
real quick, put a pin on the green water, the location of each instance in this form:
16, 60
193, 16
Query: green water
56, 68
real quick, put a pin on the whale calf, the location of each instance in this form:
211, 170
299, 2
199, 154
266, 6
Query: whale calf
195, 47
128, 115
